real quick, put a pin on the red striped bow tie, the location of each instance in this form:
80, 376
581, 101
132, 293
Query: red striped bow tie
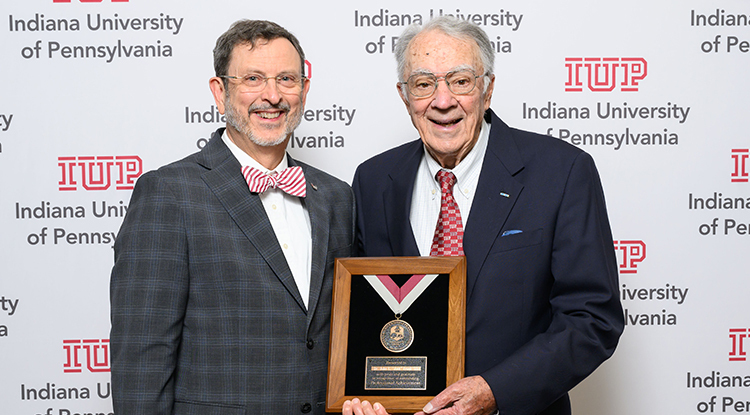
291, 180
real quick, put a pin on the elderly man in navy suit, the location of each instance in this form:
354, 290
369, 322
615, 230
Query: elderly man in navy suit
221, 288
526, 210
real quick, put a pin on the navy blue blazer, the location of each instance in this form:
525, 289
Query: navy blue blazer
543, 308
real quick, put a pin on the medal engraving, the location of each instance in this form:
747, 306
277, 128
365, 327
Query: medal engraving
396, 336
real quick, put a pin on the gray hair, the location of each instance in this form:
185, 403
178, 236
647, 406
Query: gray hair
456, 28
249, 32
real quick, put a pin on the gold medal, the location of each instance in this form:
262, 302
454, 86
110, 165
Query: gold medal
397, 335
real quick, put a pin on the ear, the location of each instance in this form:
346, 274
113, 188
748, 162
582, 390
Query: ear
403, 94
305, 90
216, 85
488, 94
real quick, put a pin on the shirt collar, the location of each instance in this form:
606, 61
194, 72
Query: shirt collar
246, 160
468, 165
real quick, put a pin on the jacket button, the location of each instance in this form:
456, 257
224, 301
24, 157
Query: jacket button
310, 343
306, 408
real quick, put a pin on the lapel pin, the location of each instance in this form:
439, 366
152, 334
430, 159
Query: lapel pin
313, 186
503, 194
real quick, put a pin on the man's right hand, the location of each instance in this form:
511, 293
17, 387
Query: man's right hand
357, 407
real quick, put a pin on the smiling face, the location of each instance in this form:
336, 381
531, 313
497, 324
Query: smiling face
264, 118
448, 124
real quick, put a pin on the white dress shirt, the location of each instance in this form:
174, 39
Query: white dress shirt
289, 219
425, 202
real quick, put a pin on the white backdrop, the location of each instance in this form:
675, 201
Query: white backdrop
95, 92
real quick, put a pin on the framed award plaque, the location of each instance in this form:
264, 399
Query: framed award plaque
397, 330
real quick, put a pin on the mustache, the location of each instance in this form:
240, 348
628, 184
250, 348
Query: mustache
265, 107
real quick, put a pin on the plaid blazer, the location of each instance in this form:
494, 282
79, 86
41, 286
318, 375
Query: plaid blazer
206, 316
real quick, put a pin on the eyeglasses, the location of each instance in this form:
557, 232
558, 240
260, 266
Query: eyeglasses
423, 85
256, 82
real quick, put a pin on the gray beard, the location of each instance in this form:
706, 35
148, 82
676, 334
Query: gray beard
243, 127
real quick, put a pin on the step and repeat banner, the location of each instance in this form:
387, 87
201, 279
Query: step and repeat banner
96, 92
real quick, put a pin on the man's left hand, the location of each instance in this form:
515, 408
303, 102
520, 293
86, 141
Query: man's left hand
468, 396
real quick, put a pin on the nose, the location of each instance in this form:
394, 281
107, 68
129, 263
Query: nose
443, 97
270, 92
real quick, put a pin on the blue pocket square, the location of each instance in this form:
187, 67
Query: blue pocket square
511, 232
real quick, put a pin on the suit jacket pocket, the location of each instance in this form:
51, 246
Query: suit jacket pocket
517, 241
205, 408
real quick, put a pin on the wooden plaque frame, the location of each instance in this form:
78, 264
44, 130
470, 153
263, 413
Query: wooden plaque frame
454, 267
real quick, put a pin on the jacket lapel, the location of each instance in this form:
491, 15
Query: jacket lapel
497, 193
318, 210
225, 179
397, 202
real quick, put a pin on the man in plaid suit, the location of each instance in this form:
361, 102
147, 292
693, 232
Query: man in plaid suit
221, 288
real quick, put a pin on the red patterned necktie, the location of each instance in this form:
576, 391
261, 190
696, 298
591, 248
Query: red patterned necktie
290, 180
449, 233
